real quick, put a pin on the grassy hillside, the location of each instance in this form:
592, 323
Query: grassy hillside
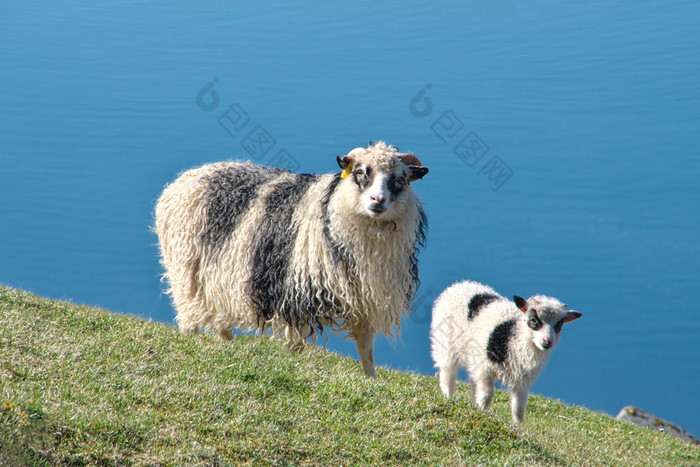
82, 386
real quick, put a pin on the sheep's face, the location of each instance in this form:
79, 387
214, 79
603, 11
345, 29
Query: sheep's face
545, 317
382, 178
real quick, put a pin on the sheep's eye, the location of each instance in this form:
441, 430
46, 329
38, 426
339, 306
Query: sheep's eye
359, 171
400, 181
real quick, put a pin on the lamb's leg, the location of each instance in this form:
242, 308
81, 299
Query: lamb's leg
365, 346
518, 402
482, 390
448, 378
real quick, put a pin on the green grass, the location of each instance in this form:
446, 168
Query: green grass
83, 386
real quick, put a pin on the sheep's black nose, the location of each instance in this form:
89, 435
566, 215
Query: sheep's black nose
546, 345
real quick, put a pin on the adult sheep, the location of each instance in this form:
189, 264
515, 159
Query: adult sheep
246, 246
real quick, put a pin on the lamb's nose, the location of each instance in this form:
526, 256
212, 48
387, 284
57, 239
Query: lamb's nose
546, 344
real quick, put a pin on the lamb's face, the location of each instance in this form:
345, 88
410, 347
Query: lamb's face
382, 177
545, 317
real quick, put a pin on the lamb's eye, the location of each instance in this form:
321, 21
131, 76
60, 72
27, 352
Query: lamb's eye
400, 181
534, 323
359, 171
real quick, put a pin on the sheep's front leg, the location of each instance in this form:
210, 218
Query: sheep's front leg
518, 402
482, 389
365, 347
447, 375
295, 338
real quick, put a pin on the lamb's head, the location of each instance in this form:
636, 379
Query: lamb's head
381, 177
545, 317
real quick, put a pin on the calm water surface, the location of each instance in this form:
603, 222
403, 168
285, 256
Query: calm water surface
577, 127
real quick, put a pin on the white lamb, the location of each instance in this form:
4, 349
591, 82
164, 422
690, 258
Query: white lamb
494, 338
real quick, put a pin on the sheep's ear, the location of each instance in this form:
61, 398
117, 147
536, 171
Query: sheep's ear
521, 303
409, 159
345, 161
571, 316
416, 173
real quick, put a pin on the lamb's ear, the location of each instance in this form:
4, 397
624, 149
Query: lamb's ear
345, 161
521, 303
416, 173
571, 316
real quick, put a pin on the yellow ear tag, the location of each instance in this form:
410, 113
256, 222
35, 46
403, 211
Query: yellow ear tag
346, 171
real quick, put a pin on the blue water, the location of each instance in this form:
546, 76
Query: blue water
562, 141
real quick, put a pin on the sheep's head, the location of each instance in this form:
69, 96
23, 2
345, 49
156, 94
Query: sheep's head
545, 317
382, 176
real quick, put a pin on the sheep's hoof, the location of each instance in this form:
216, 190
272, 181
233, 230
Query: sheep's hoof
226, 335
296, 348
370, 373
